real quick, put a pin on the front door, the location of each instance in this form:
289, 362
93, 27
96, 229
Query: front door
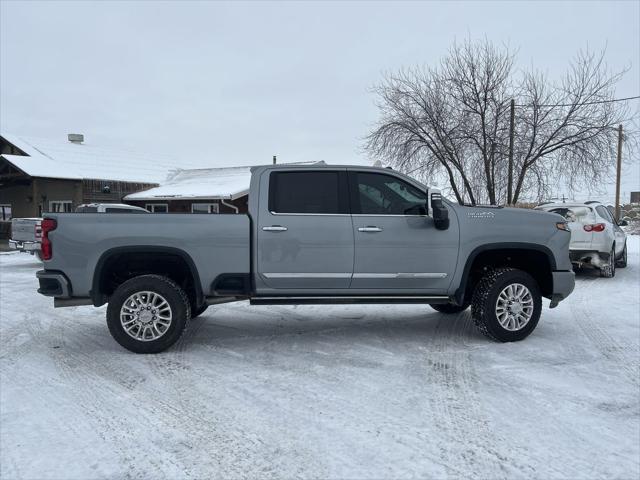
305, 236
397, 246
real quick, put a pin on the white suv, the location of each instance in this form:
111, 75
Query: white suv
596, 238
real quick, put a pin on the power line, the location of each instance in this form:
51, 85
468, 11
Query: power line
613, 100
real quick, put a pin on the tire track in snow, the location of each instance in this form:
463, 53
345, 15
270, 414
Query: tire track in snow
457, 405
244, 452
624, 354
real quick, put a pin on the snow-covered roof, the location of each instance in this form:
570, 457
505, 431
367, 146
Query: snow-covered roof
227, 183
77, 161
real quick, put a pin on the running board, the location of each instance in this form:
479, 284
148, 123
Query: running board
320, 300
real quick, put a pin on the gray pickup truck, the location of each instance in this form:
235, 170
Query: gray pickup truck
313, 234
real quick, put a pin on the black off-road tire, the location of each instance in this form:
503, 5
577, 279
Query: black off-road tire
196, 312
448, 307
175, 297
622, 261
609, 270
485, 296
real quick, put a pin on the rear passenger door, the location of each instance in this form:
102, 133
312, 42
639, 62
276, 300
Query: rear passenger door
304, 231
397, 246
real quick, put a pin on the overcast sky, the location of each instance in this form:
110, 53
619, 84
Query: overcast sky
222, 84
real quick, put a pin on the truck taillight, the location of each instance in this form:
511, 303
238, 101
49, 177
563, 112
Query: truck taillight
48, 224
596, 227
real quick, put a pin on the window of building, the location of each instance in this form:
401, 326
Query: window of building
5, 212
380, 194
205, 208
60, 206
307, 192
157, 207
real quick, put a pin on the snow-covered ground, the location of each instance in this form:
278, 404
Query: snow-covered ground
322, 392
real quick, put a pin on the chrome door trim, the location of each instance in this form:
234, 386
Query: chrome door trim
400, 275
307, 275
275, 228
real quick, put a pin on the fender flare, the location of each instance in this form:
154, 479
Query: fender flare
462, 288
98, 297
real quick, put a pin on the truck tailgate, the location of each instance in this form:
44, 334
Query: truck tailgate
25, 229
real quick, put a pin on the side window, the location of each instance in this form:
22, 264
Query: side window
380, 194
307, 192
63, 206
157, 207
604, 213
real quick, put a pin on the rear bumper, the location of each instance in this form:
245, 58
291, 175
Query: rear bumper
563, 285
53, 284
24, 246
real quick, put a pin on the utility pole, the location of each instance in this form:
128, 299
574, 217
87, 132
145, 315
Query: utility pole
274, 159
511, 135
618, 173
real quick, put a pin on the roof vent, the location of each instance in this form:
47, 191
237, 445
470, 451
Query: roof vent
75, 138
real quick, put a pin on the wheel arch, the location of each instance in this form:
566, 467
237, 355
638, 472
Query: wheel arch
98, 293
508, 250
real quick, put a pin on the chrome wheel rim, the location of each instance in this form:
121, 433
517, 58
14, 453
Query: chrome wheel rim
146, 316
514, 307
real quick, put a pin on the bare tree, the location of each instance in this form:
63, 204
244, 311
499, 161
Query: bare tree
453, 119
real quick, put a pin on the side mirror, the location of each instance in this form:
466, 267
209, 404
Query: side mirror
623, 223
440, 212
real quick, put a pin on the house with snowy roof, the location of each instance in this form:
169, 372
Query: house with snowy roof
199, 190
44, 175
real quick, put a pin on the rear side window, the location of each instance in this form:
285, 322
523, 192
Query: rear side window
604, 213
307, 192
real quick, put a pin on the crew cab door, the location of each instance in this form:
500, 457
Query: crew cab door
304, 231
397, 246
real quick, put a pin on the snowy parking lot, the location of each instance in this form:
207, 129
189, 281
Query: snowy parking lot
322, 392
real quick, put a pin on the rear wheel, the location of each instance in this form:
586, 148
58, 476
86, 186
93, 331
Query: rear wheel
506, 305
449, 307
148, 314
622, 261
609, 270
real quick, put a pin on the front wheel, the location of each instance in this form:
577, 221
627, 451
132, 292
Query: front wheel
506, 305
148, 314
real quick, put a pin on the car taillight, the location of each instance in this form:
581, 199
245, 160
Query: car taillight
48, 224
596, 227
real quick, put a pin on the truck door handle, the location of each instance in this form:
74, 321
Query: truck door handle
275, 228
369, 228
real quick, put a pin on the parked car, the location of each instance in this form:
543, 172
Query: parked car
596, 238
109, 208
314, 234
26, 234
